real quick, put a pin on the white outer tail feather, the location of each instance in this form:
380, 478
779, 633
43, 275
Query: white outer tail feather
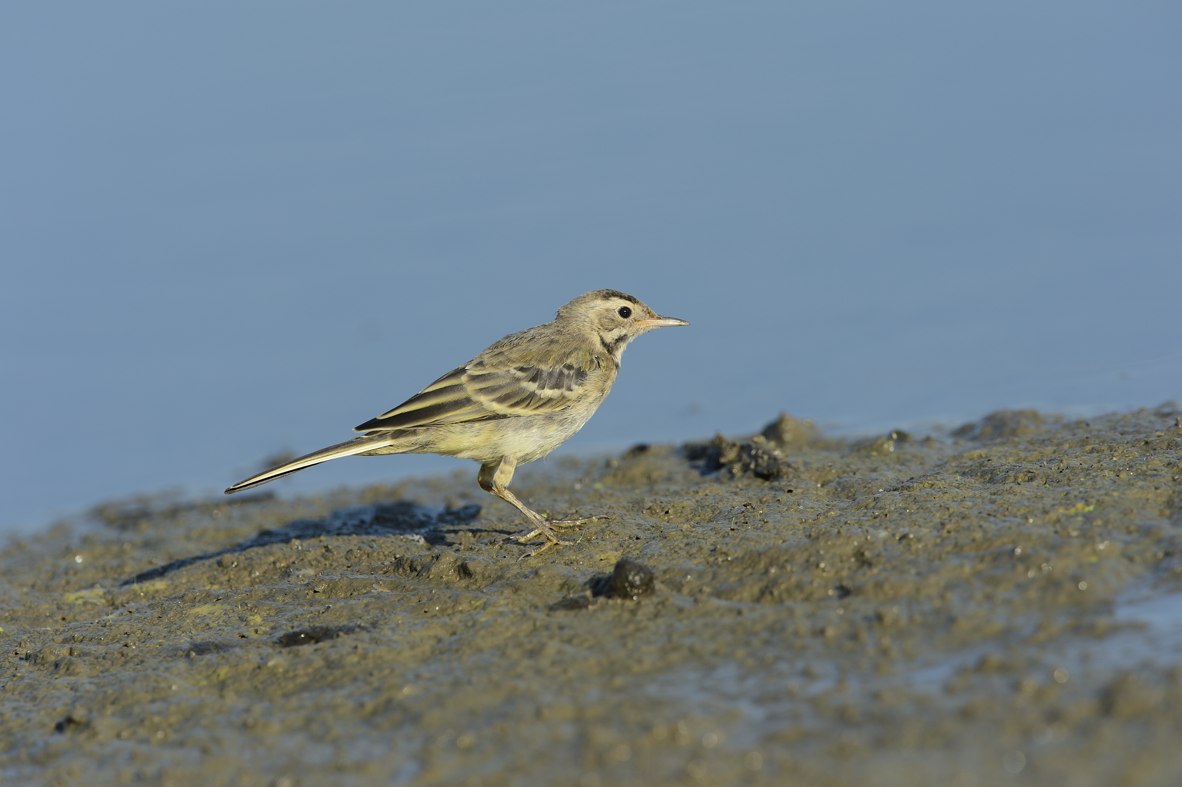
358, 445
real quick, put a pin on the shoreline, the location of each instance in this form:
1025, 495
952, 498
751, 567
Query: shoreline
994, 601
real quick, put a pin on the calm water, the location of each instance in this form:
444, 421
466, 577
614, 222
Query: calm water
233, 230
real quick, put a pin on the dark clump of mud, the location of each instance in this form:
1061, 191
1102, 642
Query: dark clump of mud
1001, 603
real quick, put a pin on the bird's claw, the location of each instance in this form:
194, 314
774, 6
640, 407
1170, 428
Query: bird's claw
553, 540
548, 544
575, 522
550, 537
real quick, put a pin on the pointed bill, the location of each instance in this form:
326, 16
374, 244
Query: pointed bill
663, 322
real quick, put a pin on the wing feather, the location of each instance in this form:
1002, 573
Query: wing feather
444, 401
481, 392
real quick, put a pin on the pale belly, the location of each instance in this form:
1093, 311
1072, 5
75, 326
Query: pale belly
524, 439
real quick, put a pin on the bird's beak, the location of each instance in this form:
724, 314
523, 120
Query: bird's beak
663, 322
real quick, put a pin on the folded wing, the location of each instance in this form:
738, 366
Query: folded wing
479, 392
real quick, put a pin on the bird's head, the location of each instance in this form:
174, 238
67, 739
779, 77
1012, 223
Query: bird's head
613, 318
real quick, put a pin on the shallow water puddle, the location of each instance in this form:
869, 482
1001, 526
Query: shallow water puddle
1151, 632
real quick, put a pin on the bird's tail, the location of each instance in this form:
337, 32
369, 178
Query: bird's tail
358, 445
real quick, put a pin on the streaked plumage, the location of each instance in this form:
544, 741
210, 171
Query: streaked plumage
513, 403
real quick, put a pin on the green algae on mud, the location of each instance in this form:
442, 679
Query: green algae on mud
1001, 601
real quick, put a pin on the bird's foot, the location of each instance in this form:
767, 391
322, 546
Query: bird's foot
545, 528
546, 545
575, 522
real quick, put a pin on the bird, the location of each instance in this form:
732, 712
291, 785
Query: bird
515, 402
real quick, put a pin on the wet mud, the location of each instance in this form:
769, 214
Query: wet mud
1001, 603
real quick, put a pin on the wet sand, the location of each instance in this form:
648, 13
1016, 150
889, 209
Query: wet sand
1002, 603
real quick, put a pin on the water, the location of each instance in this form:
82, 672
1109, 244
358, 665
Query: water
231, 230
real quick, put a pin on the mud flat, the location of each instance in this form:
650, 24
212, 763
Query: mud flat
1001, 603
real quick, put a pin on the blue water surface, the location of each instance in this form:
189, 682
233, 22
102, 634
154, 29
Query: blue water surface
230, 229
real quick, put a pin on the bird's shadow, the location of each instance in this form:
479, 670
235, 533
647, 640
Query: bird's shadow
382, 519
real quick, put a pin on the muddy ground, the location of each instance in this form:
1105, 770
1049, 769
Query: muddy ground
998, 604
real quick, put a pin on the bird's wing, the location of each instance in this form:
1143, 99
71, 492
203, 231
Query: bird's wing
479, 392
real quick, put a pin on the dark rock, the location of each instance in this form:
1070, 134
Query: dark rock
628, 580
756, 457
312, 635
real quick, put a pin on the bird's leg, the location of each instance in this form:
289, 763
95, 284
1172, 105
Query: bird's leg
494, 478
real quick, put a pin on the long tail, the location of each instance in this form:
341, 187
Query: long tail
358, 445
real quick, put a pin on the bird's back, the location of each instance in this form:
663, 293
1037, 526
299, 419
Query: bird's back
523, 396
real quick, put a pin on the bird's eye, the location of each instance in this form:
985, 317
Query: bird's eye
625, 312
